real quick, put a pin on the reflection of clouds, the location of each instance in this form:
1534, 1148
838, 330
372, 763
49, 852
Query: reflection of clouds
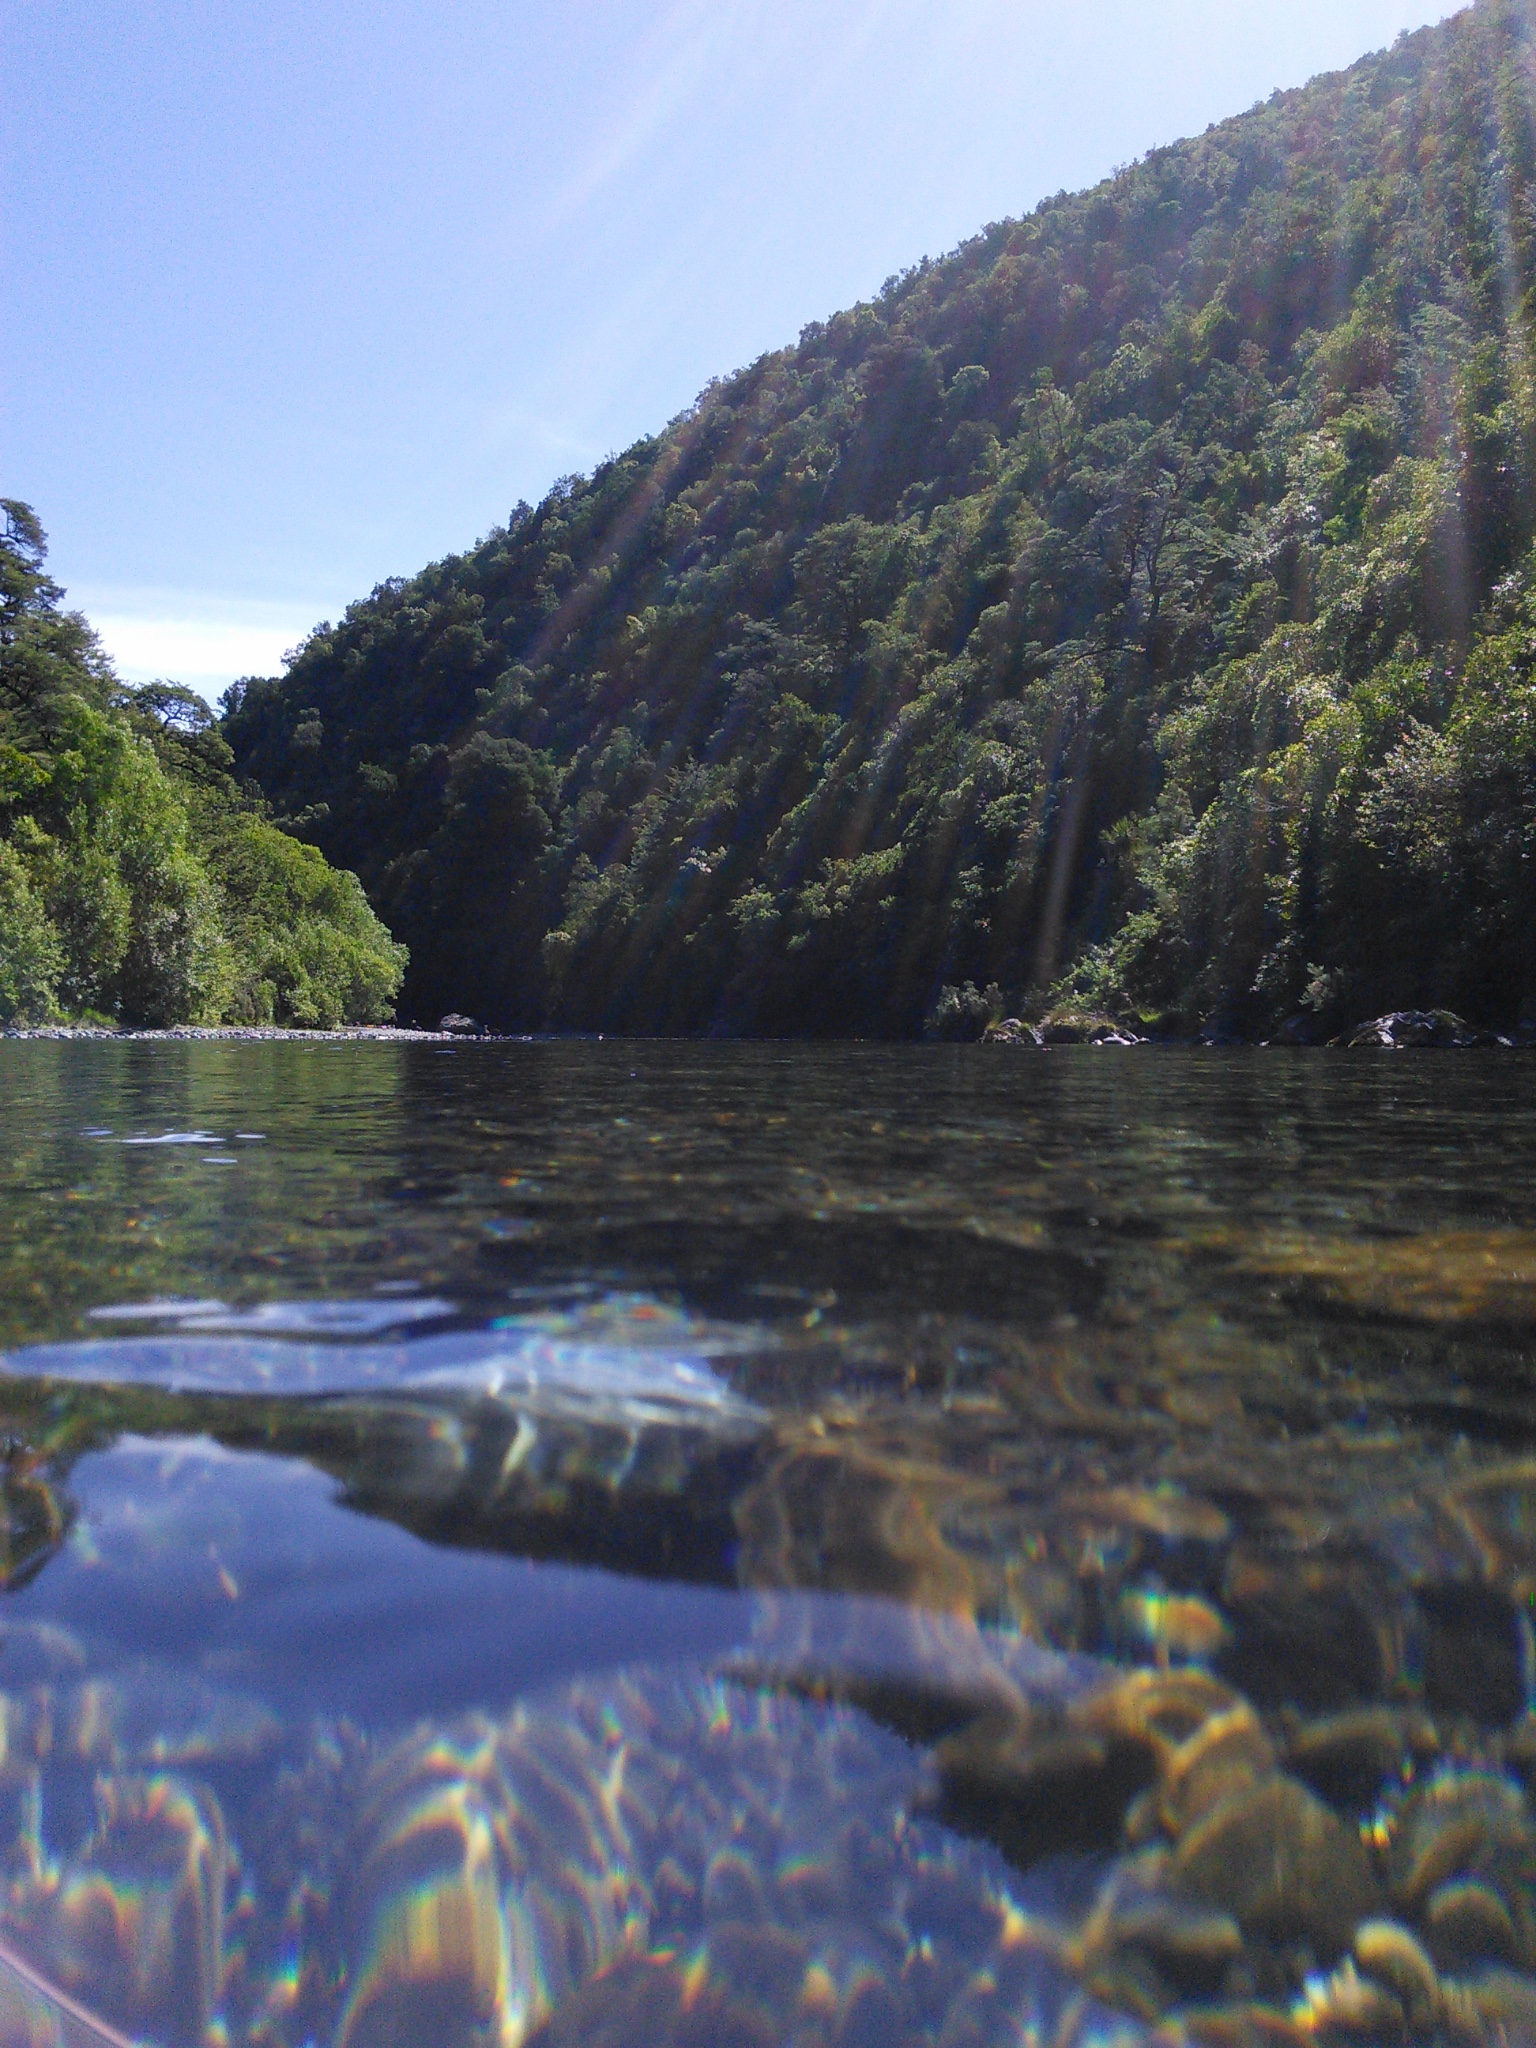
623, 1363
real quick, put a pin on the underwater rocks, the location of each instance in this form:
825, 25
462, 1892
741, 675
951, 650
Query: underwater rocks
647, 1851
1236, 1889
1372, 1582
1321, 1575
691, 1857
1433, 1276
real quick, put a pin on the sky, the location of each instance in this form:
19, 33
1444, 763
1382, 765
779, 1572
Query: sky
302, 294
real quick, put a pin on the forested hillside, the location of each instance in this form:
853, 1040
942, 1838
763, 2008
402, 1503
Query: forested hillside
1138, 604
138, 884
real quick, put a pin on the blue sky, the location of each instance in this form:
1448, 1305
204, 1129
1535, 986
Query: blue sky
303, 294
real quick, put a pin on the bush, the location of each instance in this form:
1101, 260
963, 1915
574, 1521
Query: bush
303, 945
31, 953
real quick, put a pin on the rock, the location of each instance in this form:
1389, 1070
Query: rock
1163, 1709
841, 1520
1349, 2007
1350, 1757
1011, 1031
1497, 1509
1472, 1654
1282, 1865
1190, 1946
1388, 1952
1082, 1027
1036, 1795
1175, 1626
1402, 1029
1165, 1511
1318, 1639
1468, 1923
1430, 1276
459, 1026
1503, 2000
1240, 2025
1302, 1029
1226, 1757
1463, 1853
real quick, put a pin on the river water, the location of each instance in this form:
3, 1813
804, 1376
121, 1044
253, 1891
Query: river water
714, 1544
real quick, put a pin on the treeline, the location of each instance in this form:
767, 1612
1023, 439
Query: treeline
1136, 608
138, 883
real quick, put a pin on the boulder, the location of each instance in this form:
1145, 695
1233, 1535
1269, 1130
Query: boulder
459, 1026
1302, 1029
1011, 1031
1221, 1029
1404, 1029
1076, 1027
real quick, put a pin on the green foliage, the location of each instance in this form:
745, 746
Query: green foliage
31, 953
1136, 602
135, 881
305, 947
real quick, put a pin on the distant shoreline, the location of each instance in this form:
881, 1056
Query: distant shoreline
356, 1034
402, 1034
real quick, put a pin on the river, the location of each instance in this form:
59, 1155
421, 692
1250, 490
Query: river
658, 1543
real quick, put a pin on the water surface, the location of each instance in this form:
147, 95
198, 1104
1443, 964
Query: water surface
640, 1542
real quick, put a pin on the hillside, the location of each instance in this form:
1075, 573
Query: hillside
1137, 603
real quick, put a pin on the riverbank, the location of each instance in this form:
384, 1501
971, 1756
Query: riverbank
1400, 1030
382, 1034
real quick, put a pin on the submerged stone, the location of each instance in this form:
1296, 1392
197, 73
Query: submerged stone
1282, 1864
1391, 1954
659, 1845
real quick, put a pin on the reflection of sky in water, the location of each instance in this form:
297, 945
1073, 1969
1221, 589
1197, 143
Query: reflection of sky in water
249, 1568
285, 1786
626, 1358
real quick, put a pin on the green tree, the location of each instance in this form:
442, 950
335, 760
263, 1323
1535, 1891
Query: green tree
136, 881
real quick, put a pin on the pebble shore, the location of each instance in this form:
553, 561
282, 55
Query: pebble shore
357, 1034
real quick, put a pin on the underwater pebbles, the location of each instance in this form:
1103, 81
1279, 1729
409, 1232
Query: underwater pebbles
665, 1852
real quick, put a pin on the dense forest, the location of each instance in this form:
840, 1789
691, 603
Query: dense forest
1135, 609
138, 883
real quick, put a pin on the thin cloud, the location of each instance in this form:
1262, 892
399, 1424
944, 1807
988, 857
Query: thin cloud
207, 653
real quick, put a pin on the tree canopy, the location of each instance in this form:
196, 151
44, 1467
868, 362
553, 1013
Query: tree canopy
1138, 604
138, 883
